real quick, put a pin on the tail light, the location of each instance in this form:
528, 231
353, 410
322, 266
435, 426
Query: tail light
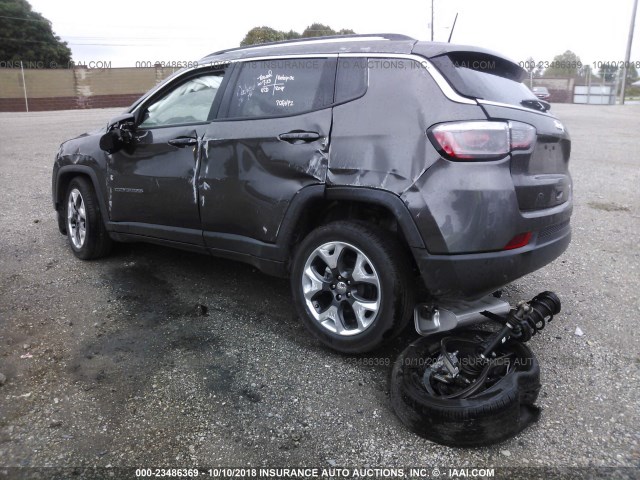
469, 141
522, 135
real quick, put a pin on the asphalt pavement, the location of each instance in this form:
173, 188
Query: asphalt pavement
112, 362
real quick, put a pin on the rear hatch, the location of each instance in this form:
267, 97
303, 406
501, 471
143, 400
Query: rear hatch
541, 173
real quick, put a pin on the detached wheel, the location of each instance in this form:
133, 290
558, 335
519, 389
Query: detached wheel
85, 228
438, 409
351, 285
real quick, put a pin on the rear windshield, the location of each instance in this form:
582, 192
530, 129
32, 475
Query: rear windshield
484, 77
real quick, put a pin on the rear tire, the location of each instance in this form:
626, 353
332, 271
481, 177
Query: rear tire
488, 417
351, 285
86, 232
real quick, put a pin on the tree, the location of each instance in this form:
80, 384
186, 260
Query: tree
632, 74
318, 30
291, 35
566, 65
28, 37
608, 72
262, 35
267, 34
539, 71
585, 73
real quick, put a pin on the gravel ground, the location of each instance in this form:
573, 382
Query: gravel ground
110, 363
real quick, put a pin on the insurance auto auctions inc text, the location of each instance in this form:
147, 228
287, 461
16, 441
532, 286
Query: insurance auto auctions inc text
340, 473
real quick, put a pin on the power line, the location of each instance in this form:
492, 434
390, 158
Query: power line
9, 39
138, 26
44, 20
99, 44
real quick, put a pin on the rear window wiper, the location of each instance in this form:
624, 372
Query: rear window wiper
539, 105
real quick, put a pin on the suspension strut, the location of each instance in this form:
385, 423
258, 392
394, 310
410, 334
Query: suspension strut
524, 321
469, 366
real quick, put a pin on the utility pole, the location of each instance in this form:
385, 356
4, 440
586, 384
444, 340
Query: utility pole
628, 56
24, 86
531, 79
432, 18
453, 27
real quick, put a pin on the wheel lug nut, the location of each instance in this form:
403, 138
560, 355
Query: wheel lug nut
333, 287
348, 294
316, 305
338, 297
339, 277
348, 282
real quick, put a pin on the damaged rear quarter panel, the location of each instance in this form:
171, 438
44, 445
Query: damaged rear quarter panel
380, 140
463, 205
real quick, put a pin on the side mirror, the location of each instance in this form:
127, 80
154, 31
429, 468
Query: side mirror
120, 120
111, 141
119, 133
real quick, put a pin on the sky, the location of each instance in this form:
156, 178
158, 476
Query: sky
126, 32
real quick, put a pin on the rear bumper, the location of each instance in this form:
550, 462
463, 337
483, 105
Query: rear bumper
472, 276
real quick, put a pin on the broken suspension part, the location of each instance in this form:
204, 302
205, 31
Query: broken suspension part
472, 388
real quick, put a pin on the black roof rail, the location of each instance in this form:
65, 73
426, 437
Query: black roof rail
386, 36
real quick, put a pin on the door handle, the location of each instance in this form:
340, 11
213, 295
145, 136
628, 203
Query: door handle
299, 137
182, 142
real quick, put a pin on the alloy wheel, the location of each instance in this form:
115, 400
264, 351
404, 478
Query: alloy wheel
76, 218
341, 288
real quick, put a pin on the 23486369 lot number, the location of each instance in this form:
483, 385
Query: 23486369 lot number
167, 472
194, 472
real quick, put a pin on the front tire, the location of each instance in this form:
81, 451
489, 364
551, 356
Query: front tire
87, 235
351, 285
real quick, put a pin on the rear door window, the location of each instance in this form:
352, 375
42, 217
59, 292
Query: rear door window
282, 87
352, 78
484, 77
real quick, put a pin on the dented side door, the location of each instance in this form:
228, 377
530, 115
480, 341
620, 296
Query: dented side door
152, 182
152, 188
249, 174
253, 167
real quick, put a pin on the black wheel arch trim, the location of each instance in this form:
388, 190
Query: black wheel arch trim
385, 199
66, 170
291, 220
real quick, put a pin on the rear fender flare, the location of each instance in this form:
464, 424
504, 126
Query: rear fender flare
382, 198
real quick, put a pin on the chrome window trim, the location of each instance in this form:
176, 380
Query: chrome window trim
213, 63
515, 107
442, 83
447, 89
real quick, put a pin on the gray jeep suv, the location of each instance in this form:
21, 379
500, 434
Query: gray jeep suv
357, 166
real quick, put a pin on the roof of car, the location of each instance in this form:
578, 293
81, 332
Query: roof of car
378, 43
391, 43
